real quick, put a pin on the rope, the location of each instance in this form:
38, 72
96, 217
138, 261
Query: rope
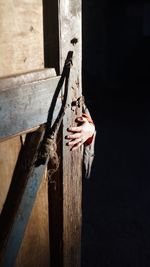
48, 148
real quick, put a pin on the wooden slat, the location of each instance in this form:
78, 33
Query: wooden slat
66, 186
25, 78
25, 104
70, 39
36, 240
21, 197
7, 165
21, 38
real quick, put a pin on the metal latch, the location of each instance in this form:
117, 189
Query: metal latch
77, 103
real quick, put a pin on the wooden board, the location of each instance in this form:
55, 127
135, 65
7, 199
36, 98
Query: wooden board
26, 105
70, 40
65, 186
7, 164
38, 240
21, 198
21, 36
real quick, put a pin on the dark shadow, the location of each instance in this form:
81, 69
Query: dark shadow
51, 34
116, 215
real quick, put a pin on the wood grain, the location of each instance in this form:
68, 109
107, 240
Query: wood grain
26, 105
38, 240
20, 200
21, 51
21, 38
65, 187
70, 40
8, 157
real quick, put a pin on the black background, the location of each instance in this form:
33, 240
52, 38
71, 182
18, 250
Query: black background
116, 85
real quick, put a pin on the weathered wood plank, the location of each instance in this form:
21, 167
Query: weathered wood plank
21, 38
14, 81
25, 105
36, 240
65, 187
21, 197
70, 39
7, 165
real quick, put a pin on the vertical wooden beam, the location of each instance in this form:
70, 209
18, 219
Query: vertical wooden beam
62, 28
70, 40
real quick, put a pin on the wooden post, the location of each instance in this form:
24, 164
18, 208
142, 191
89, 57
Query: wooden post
65, 187
70, 40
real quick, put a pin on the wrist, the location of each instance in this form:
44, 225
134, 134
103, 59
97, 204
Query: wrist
91, 135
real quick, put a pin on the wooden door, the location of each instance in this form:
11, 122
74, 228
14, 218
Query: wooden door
56, 212
21, 51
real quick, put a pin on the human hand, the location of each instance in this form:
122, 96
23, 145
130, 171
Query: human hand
80, 134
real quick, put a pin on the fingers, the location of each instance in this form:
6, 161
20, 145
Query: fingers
79, 134
74, 142
77, 129
73, 136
